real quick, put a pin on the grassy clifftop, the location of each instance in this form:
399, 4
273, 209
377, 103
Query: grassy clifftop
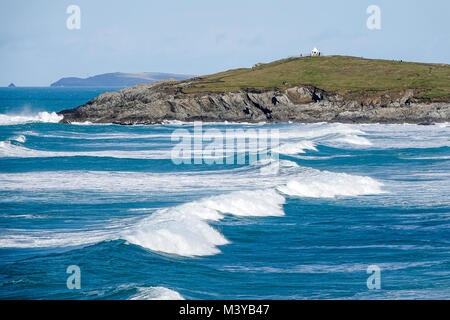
349, 76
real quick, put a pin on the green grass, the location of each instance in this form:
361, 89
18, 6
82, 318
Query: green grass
340, 74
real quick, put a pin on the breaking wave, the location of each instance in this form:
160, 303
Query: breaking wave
10, 150
45, 117
292, 148
186, 229
293, 141
20, 138
156, 293
330, 185
266, 175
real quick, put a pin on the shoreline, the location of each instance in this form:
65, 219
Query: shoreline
190, 123
164, 101
225, 123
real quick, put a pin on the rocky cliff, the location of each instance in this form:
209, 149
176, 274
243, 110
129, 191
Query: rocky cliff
169, 100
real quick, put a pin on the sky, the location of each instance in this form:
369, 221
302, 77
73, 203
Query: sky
202, 37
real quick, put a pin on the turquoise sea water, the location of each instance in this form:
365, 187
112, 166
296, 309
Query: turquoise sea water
110, 200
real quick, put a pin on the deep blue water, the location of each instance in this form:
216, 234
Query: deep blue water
110, 200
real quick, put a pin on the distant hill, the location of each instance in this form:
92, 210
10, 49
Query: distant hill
11, 85
118, 79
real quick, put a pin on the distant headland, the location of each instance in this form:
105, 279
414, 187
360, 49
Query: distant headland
118, 79
314, 88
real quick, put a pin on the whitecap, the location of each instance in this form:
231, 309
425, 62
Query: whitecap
291, 148
323, 184
9, 150
20, 138
184, 230
44, 117
156, 293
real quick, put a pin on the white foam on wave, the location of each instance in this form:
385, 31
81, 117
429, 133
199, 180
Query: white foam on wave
265, 175
140, 183
257, 203
53, 239
75, 135
355, 140
9, 150
320, 268
44, 117
175, 123
156, 293
20, 138
292, 137
396, 136
184, 230
295, 139
291, 148
323, 184
85, 123
427, 158
330, 134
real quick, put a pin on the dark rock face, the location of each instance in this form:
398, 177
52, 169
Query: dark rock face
165, 100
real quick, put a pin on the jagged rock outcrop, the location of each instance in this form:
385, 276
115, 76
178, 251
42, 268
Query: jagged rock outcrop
166, 100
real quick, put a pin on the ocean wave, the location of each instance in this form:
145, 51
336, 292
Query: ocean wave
427, 158
10, 150
263, 175
45, 117
291, 137
330, 268
405, 136
85, 123
443, 125
355, 140
74, 135
54, 238
330, 185
291, 148
155, 293
293, 140
20, 138
184, 230
431, 293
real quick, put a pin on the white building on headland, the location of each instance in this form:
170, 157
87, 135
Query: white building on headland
315, 52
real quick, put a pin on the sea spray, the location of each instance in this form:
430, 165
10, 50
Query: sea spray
43, 117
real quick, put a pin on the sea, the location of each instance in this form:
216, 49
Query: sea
321, 211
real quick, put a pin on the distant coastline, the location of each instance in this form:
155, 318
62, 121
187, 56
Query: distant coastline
118, 79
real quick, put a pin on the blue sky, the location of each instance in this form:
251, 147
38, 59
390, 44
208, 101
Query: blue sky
201, 37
